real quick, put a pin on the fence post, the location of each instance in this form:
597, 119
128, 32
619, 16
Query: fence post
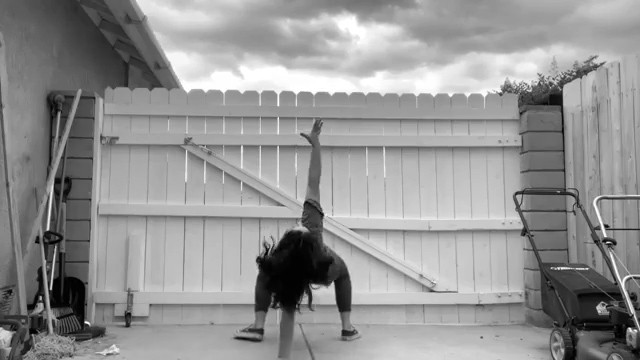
542, 165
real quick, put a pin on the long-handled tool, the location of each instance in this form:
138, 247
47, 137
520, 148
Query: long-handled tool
43, 238
37, 225
56, 102
69, 293
61, 307
47, 198
65, 184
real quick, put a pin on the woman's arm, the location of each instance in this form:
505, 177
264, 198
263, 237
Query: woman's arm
287, 325
315, 171
315, 161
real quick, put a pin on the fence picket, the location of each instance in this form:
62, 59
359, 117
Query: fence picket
629, 85
604, 164
428, 190
157, 194
410, 186
250, 228
615, 103
515, 242
481, 240
446, 205
231, 228
138, 184
194, 227
497, 206
213, 195
590, 154
340, 173
269, 154
287, 180
379, 275
268, 167
633, 256
572, 103
174, 245
358, 202
462, 206
304, 99
118, 191
105, 177
393, 191
327, 180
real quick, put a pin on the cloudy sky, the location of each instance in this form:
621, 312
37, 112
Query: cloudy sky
384, 45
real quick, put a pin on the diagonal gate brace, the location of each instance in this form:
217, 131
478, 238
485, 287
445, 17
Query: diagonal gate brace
331, 225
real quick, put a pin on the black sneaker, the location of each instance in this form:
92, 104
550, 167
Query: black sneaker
249, 333
350, 335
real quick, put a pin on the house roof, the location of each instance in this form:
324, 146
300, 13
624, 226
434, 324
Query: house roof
127, 28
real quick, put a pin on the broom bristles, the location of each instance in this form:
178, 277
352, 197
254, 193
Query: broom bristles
51, 347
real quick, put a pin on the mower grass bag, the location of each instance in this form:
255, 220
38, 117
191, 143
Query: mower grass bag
583, 290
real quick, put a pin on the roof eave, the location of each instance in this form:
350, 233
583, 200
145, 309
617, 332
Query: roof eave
136, 25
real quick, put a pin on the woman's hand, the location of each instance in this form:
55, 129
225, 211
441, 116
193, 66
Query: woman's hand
313, 136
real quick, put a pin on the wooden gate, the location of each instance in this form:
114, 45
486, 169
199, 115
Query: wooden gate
416, 189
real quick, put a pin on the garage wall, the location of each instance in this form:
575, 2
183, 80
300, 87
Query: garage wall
51, 45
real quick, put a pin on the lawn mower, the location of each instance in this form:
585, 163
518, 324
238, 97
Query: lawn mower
589, 312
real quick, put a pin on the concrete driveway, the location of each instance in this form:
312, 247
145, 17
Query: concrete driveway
321, 342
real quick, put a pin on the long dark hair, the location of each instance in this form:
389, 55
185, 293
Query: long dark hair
291, 266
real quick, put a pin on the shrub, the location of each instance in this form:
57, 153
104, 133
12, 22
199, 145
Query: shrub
547, 89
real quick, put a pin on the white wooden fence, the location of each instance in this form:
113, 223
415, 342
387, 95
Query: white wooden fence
416, 189
601, 118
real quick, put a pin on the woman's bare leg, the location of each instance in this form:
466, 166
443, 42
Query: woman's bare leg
255, 331
287, 327
345, 319
260, 319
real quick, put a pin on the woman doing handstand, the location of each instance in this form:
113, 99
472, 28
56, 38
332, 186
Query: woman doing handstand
287, 270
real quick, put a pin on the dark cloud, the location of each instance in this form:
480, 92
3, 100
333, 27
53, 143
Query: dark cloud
309, 9
302, 34
457, 27
478, 70
236, 38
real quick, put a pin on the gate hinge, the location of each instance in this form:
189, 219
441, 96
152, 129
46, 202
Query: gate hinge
188, 140
109, 140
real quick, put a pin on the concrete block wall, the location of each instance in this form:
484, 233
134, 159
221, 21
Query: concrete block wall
542, 165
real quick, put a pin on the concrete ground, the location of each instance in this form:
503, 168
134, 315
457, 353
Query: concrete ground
321, 342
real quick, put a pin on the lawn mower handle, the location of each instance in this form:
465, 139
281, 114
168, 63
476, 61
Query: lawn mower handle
599, 198
547, 191
630, 309
616, 273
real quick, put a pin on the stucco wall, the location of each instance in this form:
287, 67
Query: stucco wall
51, 45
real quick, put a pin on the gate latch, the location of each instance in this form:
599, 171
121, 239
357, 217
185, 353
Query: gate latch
109, 140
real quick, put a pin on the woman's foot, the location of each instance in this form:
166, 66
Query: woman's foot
350, 335
249, 333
